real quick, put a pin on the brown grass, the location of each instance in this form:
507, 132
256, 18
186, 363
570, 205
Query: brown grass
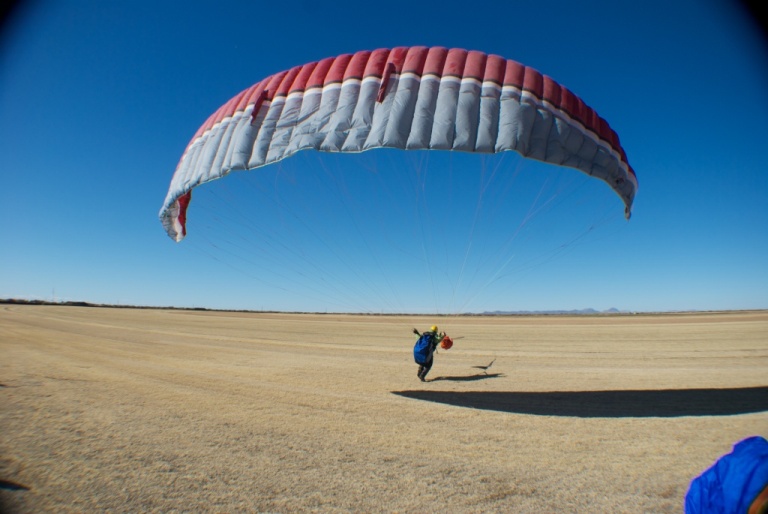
147, 410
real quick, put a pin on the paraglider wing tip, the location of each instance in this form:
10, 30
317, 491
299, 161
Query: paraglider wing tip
174, 217
627, 212
173, 227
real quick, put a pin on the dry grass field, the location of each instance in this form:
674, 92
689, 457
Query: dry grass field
128, 410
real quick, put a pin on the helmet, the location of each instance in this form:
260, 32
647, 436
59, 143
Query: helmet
433, 328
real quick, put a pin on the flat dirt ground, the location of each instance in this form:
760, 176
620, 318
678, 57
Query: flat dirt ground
129, 410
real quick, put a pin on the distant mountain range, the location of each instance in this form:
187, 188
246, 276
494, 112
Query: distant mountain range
612, 310
561, 312
486, 313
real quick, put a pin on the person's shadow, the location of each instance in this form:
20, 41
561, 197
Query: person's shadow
470, 378
663, 403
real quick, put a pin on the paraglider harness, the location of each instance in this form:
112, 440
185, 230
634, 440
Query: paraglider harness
424, 347
427, 344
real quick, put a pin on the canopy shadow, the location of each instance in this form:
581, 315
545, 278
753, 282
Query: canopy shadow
664, 403
12, 486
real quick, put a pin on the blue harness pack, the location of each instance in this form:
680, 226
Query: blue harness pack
422, 350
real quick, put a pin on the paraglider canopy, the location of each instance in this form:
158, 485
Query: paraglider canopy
409, 98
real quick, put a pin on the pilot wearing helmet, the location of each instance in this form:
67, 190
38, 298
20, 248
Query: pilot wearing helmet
424, 349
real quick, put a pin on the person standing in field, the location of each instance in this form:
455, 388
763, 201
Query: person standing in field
424, 349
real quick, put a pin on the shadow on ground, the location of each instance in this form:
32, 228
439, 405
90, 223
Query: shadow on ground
471, 378
8, 501
664, 403
12, 486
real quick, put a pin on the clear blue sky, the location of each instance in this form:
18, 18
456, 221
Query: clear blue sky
98, 100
